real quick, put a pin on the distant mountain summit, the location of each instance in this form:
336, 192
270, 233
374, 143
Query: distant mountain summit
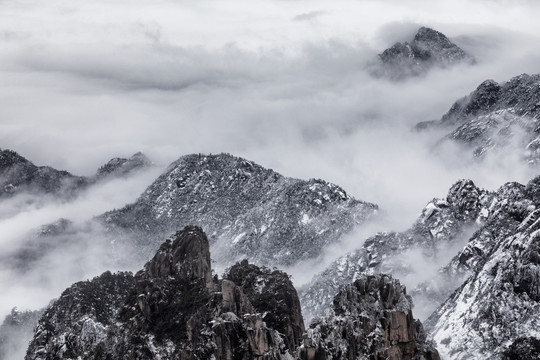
429, 48
248, 211
520, 95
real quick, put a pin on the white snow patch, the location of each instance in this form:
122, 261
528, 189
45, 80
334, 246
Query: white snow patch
238, 238
305, 219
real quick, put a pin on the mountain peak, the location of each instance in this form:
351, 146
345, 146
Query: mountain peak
187, 255
9, 158
429, 48
429, 35
244, 208
520, 95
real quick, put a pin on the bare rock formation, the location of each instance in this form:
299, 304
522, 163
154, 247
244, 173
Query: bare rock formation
372, 319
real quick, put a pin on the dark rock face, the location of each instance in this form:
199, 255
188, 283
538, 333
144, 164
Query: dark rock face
442, 222
188, 257
373, 320
428, 49
271, 292
78, 322
248, 211
495, 117
523, 348
173, 308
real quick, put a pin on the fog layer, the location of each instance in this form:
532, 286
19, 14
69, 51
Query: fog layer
282, 83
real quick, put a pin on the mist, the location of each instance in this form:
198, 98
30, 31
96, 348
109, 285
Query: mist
78, 255
281, 83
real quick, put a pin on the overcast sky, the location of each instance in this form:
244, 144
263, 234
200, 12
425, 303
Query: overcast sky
282, 83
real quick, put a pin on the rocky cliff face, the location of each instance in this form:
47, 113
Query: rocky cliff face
497, 117
174, 308
442, 223
248, 211
428, 49
273, 292
371, 319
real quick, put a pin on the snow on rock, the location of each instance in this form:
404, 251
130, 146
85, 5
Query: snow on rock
499, 303
441, 223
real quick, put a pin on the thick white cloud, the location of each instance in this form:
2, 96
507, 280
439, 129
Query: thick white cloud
279, 82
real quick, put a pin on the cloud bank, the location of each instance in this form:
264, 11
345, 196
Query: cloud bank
282, 83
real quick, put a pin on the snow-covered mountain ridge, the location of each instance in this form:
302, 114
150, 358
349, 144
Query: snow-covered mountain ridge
496, 117
498, 305
442, 222
248, 211
495, 275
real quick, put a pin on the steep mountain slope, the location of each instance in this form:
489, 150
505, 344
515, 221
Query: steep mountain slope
496, 309
174, 308
371, 319
442, 223
497, 117
247, 210
429, 48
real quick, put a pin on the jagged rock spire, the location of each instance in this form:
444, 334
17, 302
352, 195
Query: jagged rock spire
187, 255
